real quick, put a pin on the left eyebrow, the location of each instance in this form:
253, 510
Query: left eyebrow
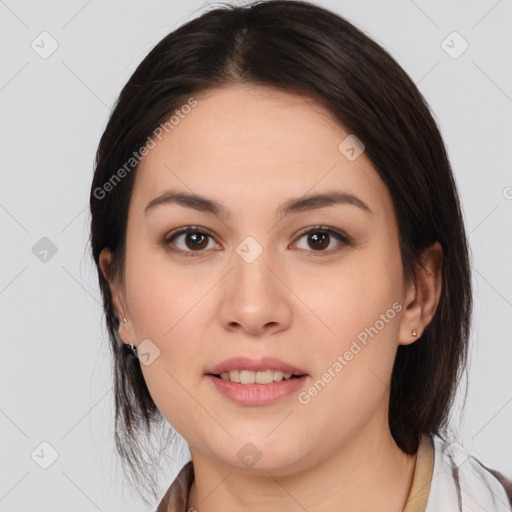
295, 205
316, 201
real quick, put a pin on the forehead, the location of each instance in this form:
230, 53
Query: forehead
242, 143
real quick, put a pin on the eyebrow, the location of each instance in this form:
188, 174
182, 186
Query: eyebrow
295, 205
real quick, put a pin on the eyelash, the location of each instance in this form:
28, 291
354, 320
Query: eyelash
341, 237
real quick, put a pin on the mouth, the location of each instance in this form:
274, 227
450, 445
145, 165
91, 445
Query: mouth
243, 370
256, 377
251, 388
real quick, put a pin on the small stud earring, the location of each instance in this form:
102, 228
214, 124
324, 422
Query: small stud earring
414, 333
132, 347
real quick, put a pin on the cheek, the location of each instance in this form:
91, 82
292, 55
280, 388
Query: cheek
175, 398
362, 292
352, 368
166, 308
360, 305
160, 294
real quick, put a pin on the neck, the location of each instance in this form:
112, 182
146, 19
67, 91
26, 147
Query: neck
368, 472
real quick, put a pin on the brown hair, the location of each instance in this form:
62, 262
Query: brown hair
299, 47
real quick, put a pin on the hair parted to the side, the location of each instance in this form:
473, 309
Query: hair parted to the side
299, 47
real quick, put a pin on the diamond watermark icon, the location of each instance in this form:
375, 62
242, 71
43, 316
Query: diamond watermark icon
249, 455
454, 45
44, 45
44, 250
351, 147
147, 352
455, 454
44, 455
249, 249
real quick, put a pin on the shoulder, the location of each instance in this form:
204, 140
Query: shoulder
461, 482
175, 499
504, 481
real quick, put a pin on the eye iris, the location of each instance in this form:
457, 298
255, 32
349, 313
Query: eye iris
319, 240
195, 237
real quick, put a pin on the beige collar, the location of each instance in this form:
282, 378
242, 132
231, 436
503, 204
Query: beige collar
420, 488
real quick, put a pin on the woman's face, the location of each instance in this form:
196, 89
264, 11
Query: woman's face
252, 284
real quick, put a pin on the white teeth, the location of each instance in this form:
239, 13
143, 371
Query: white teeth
265, 377
234, 375
247, 377
250, 377
278, 375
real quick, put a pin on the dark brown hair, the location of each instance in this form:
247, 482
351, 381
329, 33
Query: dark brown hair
306, 49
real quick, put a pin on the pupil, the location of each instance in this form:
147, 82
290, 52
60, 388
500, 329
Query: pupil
195, 237
322, 245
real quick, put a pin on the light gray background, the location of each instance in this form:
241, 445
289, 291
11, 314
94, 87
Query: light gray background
55, 363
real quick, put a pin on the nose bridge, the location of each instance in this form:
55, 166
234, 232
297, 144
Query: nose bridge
251, 273
255, 299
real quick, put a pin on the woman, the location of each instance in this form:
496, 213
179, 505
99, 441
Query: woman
285, 271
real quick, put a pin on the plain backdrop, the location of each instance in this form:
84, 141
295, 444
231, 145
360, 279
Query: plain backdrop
56, 400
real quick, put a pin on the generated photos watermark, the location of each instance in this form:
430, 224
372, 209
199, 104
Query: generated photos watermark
134, 160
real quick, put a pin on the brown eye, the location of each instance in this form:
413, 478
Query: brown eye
319, 239
187, 240
192, 241
196, 241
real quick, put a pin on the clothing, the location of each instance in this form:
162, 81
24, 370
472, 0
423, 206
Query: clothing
436, 487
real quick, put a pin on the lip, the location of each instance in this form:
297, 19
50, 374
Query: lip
255, 365
257, 394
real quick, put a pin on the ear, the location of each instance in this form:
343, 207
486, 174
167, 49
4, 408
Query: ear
422, 296
118, 298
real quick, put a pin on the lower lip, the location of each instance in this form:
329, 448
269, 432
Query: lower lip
257, 394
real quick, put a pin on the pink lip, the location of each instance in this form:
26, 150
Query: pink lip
256, 394
256, 365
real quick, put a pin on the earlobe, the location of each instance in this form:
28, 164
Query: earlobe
423, 296
123, 332
410, 328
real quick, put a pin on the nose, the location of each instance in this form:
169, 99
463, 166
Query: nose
255, 300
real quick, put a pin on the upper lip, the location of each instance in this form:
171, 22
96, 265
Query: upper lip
256, 365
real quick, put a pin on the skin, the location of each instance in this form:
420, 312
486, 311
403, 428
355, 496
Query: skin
251, 149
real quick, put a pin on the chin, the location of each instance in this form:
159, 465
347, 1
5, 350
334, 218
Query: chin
260, 454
